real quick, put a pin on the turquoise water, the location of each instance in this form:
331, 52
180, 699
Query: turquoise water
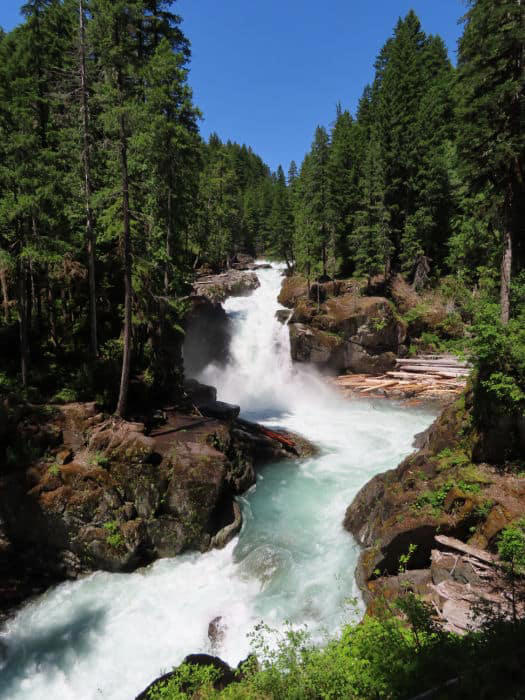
108, 635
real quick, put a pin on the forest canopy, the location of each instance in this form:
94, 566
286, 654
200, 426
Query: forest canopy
110, 200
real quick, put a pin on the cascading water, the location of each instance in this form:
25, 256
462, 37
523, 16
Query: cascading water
109, 635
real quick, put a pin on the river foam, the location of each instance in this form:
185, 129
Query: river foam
108, 635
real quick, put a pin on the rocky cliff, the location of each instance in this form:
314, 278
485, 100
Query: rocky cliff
97, 492
337, 328
450, 486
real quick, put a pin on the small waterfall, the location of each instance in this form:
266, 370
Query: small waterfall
108, 635
260, 375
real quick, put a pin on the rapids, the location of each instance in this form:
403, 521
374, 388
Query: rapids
109, 635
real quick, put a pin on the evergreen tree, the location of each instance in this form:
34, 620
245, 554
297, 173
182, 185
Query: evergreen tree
491, 85
370, 241
281, 220
343, 188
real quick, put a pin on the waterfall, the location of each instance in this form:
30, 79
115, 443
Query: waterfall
109, 635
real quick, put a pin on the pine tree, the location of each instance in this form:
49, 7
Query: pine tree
491, 85
342, 172
370, 241
281, 220
116, 40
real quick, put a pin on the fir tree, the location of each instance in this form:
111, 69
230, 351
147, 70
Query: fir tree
491, 119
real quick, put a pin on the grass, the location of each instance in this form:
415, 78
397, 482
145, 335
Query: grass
114, 538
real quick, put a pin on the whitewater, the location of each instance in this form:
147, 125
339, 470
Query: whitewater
109, 635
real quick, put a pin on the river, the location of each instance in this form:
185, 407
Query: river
109, 635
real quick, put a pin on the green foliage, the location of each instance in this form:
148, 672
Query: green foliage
99, 459
65, 395
404, 559
449, 458
186, 681
435, 499
499, 356
54, 470
114, 537
511, 546
398, 653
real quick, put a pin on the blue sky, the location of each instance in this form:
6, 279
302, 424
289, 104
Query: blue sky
267, 72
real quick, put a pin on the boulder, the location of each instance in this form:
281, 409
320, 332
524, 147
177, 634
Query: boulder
293, 288
226, 675
367, 321
219, 409
244, 260
282, 315
232, 283
346, 332
207, 334
199, 393
438, 489
216, 631
312, 345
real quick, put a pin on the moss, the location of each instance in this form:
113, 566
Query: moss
449, 458
474, 475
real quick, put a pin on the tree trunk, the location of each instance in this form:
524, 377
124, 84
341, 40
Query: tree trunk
51, 312
23, 321
89, 236
506, 265
5, 293
169, 248
126, 245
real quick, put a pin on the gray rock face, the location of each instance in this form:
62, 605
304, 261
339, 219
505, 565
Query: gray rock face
219, 409
232, 283
127, 498
344, 333
333, 353
207, 334
313, 345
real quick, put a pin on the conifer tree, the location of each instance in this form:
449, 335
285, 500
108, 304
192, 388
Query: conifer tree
491, 84
370, 240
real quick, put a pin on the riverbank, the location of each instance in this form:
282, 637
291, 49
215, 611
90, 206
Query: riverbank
292, 559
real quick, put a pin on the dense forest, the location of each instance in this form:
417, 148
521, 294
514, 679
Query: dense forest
110, 199
108, 195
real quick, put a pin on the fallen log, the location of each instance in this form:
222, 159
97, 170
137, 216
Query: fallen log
381, 385
256, 428
437, 363
459, 546
420, 369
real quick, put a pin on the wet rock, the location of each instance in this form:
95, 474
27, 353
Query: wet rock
232, 283
199, 393
219, 409
216, 631
312, 345
438, 489
128, 498
282, 315
229, 531
207, 334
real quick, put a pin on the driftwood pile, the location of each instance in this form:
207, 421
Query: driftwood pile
465, 579
424, 377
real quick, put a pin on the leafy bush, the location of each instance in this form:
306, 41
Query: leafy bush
499, 356
65, 395
398, 653
435, 499
186, 681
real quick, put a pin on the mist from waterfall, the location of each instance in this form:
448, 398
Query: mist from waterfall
109, 635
